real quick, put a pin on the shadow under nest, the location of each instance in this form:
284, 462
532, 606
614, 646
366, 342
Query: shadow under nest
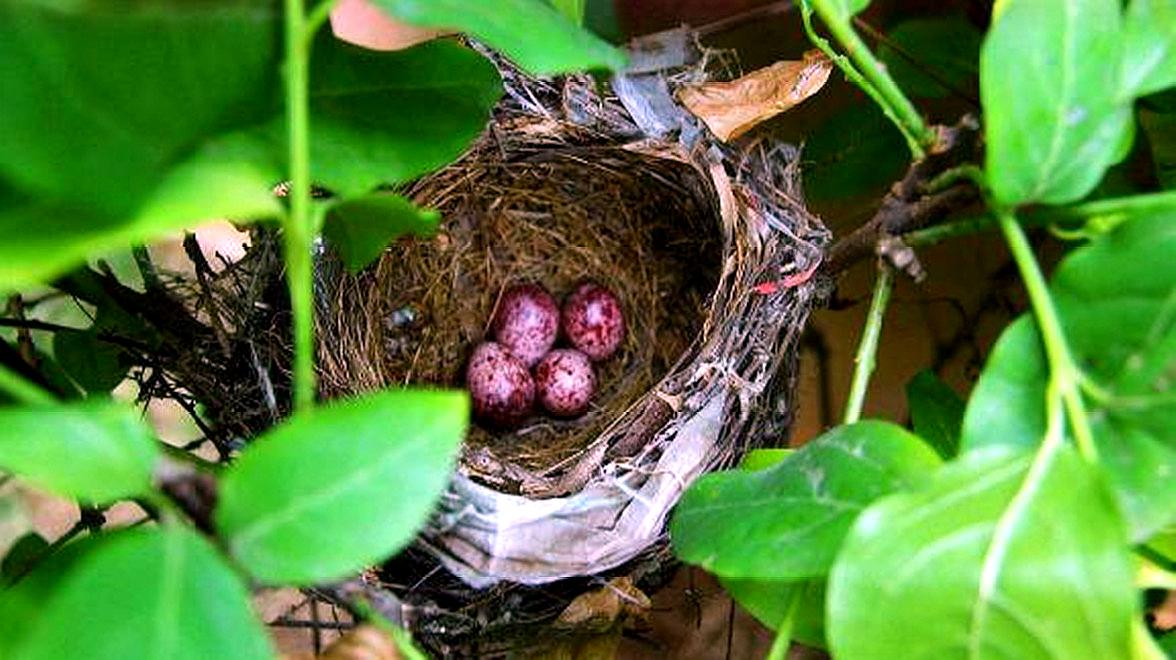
708, 247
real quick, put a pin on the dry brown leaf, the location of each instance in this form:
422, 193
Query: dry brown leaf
364, 642
730, 109
617, 603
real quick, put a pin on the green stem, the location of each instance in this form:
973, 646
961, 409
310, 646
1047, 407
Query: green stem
1065, 376
868, 349
900, 110
855, 77
318, 16
783, 641
299, 227
22, 390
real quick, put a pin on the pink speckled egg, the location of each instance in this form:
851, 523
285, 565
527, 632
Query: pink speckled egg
500, 386
527, 322
593, 321
565, 382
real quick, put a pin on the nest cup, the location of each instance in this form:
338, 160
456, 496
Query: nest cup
709, 249
557, 217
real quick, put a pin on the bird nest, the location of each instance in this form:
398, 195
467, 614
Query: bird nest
708, 247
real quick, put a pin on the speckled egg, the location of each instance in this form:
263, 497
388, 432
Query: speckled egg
565, 382
593, 321
526, 322
501, 387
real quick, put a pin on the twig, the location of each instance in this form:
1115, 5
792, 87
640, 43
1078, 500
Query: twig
24, 340
913, 202
196, 256
287, 622
736, 20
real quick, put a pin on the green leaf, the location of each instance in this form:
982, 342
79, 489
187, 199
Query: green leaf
388, 117
1164, 543
329, 492
1117, 302
1167, 643
361, 228
148, 593
22, 603
229, 176
573, 10
1149, 50
93, 364
786, 522
758, 459
1052, 127
22, 556
1007, 406
768, 600
101, 98
947, 51
839, 10
937, 412
994, 559
1160, 130
95, 452
530, 32
855, 153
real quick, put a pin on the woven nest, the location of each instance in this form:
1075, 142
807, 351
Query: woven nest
708, 247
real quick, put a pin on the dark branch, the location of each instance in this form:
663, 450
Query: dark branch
909, 205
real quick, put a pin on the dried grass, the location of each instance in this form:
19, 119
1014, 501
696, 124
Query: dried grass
553, 217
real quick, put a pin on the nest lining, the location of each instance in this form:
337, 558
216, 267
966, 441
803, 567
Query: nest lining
635, 224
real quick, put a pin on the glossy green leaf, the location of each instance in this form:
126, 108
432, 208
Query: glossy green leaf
359, 229
937, 412
768, 600
946, 50
1117, 298
1149, 49
1160, 130
786, 522
1007, 406
387, 117
95, 365
994, 559
97, 452
530, 32
1052, 126
329, 492
101, 98
1117, 301
148, 593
